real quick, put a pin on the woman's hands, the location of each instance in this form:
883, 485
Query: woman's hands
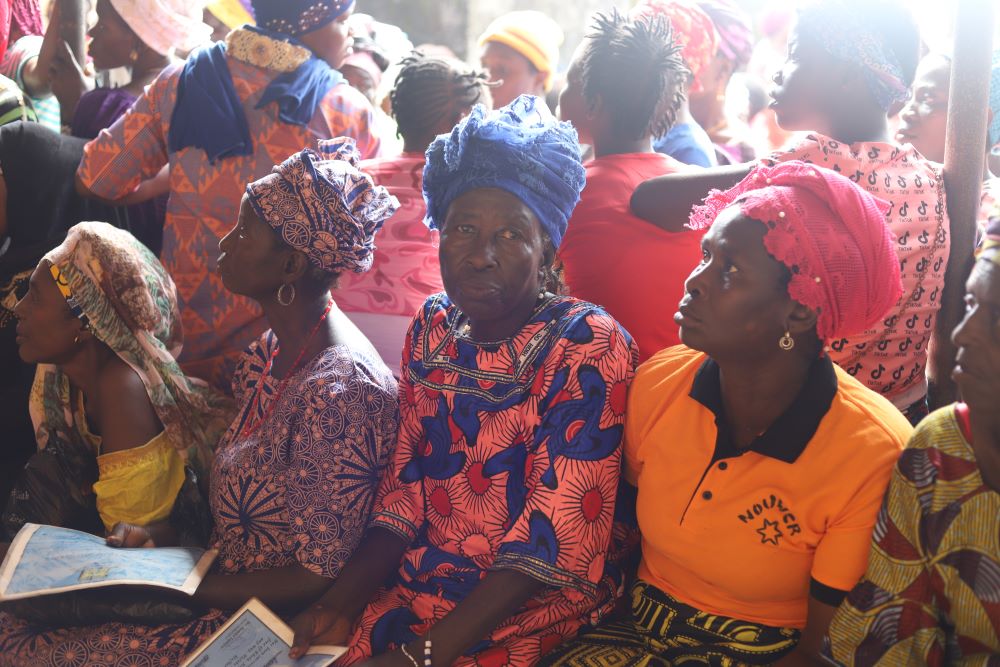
129, 535
319, 624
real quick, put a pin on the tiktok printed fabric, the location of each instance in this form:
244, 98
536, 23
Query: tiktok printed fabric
509, 458
891, 359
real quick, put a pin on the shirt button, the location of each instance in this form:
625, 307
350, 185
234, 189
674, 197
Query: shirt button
707, 495
723, 465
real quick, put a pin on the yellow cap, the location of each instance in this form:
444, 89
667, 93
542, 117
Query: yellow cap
532, 34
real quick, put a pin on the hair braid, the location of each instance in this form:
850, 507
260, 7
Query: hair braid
430, 91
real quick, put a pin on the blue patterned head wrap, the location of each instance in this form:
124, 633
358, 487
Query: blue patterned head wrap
520, 148
994, 129
297, 17
843, 34
321, 204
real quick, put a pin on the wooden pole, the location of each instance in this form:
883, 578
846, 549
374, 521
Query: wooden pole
73, 27
964, 155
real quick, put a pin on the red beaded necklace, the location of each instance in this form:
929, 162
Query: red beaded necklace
252, 426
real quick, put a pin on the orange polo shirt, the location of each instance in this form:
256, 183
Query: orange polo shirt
749, 534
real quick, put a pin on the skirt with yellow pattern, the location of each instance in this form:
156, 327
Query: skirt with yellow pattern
663, 632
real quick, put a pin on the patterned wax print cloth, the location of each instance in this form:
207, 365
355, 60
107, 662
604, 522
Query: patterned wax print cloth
383, 301
891, 359
299, 490
663, 631
931, 595
508, 458
205, 196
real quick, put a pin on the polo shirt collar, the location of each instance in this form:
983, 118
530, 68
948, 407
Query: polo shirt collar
788, 436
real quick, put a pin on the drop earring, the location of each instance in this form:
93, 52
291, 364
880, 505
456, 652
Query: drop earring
281, 294
786, 342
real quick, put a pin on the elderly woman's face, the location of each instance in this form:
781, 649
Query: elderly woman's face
492, 251
46, 328
977, 365
250, 263
736, 301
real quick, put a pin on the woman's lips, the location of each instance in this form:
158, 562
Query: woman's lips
684, 315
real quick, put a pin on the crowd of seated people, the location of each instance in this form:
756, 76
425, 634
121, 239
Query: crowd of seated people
545, 386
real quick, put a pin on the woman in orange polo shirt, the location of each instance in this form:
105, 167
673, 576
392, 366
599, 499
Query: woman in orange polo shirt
759, 464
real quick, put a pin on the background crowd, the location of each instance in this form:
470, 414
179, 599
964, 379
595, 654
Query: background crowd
630, 359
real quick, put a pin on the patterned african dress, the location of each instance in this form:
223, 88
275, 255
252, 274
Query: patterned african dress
294, 481
508, 459
891, 359
205, 196
931, 595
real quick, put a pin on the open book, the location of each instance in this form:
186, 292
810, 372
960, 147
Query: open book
43, 560
256, 637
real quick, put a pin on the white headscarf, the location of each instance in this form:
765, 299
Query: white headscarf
166, 25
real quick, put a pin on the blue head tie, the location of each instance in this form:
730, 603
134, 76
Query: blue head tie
522, 149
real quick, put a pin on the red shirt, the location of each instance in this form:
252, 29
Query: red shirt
631, 268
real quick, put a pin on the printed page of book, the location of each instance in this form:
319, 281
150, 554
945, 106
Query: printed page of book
43, 560
256, 637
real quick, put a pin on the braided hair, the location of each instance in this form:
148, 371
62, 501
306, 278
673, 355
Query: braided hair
636, 68
432, 94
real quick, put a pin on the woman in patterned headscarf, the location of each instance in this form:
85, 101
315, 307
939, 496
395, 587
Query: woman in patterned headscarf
490, 537
100, 320
294, 477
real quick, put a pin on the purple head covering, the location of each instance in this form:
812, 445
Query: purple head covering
320, 203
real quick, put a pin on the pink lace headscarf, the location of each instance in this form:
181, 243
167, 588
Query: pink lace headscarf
832, 236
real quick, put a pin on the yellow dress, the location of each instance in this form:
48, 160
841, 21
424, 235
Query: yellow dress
137, 485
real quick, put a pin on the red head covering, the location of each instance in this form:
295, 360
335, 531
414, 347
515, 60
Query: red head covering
4, 27
693, 31
832, 236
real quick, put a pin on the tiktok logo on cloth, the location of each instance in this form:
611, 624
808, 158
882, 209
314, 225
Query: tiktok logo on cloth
771, 519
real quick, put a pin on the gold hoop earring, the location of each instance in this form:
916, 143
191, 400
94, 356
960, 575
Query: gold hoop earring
786, 342
76, 340
281, 292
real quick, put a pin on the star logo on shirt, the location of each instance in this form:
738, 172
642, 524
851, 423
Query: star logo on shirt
769, 533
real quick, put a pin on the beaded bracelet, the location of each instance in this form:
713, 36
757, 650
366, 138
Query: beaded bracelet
428, 661
413, 660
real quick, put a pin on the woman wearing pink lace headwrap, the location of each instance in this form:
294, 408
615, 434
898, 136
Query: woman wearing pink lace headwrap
760, 466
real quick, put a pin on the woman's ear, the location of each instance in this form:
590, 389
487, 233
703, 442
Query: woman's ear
801, 320
294, 266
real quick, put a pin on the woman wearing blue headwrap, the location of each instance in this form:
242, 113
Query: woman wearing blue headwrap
493, 526
219, 121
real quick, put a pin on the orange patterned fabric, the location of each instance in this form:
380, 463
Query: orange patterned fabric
205, 197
